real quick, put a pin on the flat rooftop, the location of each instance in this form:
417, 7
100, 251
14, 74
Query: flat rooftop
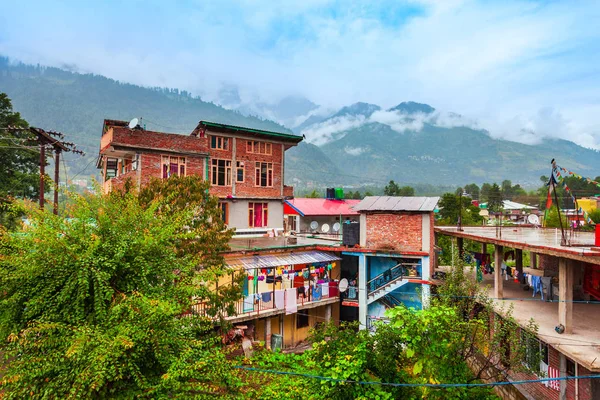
539, 240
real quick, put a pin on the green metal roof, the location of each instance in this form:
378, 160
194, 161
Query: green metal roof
283, 136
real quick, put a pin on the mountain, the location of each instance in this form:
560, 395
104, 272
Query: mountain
77, 104
360, 144
410, 107
357, 110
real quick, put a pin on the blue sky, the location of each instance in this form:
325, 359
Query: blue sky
508, 65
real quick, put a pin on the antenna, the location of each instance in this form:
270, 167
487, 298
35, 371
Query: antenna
133, 123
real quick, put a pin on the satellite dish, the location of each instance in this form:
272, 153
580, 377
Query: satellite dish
343, 286
133, 123
336, 227
533, 219
314, 225
325, 228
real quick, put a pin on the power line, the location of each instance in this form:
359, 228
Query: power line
430, 385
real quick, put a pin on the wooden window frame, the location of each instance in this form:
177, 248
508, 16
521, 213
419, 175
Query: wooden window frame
251, 212
239, 166
167, 161
259, 147
258, 174
224, 207
219, 142
214, 172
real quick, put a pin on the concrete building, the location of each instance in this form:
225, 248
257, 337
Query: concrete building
393, 263
322, 214
244, 167
567, 312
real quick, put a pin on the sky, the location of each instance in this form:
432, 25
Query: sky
523, 70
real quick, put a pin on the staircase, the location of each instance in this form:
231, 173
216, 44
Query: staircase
386, 282
389, 301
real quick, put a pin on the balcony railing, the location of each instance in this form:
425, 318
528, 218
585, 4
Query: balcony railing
264, 302
398, 272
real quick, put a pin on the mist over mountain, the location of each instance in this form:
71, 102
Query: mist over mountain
359, 144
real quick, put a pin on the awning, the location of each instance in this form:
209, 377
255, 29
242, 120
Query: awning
273, 261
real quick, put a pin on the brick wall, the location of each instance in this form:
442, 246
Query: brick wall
398, 231
538, 390
248, 188
158, 140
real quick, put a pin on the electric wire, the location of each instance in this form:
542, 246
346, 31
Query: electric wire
430, 385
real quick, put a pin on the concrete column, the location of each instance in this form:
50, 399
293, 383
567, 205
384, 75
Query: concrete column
363, 230
268, 333
425, 289
483, 248
363, 277
563, 373
565, 292
461, 248
533, 257
328, 313
498, 283
519, 264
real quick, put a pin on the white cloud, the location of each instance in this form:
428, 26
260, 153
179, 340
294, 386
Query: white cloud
331, 129
354, 151
498, 62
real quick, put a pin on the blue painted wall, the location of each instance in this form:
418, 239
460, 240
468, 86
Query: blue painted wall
378, 265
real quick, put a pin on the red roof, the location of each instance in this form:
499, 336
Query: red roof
316, 207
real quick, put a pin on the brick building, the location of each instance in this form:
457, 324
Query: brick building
244, 167
392, 264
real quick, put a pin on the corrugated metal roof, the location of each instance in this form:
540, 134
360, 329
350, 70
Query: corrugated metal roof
273, 261
392, 203
320, 207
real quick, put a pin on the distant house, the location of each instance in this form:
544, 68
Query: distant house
318, 215
515, 212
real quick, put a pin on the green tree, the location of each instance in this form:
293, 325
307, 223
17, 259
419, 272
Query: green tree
314, 194
94, 302
485, 192
473, 191
406, 191
450, 208
495, 202
391, 189
19, 169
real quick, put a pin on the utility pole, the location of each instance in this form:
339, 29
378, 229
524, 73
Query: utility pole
46, 139
56, 178
42, 173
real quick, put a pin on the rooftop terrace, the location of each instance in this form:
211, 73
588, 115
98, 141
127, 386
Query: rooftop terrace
538, 240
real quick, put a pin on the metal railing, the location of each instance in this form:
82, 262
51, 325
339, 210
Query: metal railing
397, 272
263, 302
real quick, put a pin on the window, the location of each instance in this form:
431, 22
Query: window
112, 165
264, 174
258, 214
257, 147
302, 319
221, 172
239, 171
571, 369
173, 166
292, 223
224, 207
219, 143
